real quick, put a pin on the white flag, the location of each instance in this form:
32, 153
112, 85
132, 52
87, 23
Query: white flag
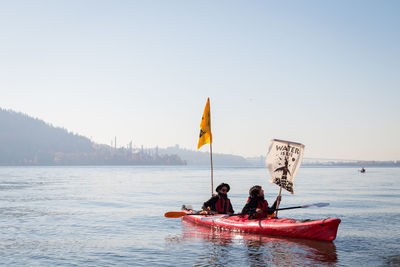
283, 162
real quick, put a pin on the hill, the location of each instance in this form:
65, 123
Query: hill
29, 141
25, 140
203, 158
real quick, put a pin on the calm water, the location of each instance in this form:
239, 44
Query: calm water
103, 216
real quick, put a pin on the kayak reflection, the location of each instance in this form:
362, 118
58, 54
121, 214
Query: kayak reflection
260, 249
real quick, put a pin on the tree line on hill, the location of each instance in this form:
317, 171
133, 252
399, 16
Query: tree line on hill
29, 141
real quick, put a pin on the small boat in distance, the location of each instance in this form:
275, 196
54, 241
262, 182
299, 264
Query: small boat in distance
362, 170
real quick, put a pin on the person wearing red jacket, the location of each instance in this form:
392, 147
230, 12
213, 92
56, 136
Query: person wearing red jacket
220, 203
256, 206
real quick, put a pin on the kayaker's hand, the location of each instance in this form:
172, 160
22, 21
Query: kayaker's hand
259, 210
204, 208
209, 211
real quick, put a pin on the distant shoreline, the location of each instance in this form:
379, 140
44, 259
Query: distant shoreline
358, 166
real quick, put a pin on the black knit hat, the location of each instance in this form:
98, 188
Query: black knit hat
222, 185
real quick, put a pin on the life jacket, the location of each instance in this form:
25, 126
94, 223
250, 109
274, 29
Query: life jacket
222, 205
263, 205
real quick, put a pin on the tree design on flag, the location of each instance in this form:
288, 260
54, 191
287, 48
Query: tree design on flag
283, 161
283, 181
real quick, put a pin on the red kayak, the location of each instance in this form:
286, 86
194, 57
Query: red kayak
310, 229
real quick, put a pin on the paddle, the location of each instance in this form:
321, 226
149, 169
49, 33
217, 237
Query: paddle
177, 214
289, 208
174, 214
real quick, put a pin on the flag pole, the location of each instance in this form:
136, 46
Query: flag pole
279, 202
211, 162
283, 175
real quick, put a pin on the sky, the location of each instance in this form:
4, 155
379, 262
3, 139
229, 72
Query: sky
322, 73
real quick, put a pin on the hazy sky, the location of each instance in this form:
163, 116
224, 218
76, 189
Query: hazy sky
323, 73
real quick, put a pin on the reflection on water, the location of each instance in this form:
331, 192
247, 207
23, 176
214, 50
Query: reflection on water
260, 250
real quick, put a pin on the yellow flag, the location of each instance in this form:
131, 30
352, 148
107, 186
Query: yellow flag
205, 127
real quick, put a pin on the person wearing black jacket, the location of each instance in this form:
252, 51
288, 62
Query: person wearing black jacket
256, 206
219, 203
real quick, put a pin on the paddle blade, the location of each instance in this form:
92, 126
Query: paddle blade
174, 214
316, 205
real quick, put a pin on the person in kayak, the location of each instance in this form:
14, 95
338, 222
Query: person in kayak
219, 203
256, 206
